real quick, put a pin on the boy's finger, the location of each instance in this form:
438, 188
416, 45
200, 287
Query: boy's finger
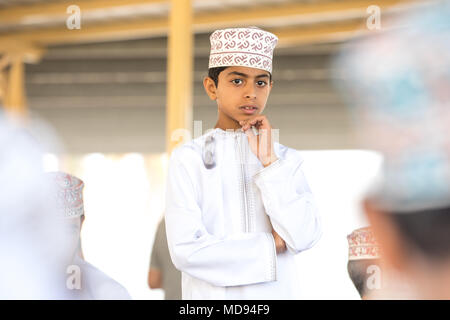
250, 134
255, 131
244, 124
254, 120
252, 138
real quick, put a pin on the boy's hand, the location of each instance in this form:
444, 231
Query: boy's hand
261, 144
279, 242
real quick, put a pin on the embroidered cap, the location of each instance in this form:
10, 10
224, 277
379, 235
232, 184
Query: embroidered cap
69, 194
362, 245
242, 47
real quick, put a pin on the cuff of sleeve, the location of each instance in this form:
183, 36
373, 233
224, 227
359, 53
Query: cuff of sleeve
272, 263
269, 170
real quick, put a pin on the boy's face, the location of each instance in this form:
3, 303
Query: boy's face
241, 93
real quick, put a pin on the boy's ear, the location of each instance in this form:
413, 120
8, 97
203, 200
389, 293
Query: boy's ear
210, 88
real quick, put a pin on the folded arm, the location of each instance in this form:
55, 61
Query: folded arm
290, 204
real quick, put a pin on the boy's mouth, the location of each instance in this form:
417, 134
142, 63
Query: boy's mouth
249, 109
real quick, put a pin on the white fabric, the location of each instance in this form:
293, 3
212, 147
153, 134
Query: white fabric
96, 285
223, 252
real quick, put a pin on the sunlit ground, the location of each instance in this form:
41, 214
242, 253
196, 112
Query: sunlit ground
124, 200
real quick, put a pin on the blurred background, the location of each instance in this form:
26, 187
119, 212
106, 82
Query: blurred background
96, 71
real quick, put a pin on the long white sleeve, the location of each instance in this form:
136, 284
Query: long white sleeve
289, 203
235, 259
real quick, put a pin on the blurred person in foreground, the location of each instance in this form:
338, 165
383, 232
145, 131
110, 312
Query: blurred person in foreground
32, 245
398, 83
87, 281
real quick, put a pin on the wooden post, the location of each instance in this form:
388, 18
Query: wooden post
179, 72
4, 62
15, 101
2, 87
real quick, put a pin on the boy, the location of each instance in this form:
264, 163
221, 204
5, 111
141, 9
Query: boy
238, 206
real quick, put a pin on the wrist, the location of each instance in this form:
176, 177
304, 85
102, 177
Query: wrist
267, 162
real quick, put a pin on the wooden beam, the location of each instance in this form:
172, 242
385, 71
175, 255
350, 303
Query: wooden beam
298, 12
179, 70
120, 30
30, 53
22, 13
289, 37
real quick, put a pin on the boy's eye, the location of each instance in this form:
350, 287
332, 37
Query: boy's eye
236, 81
261, 83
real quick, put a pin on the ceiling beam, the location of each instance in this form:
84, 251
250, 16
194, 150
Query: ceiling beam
31, 53
321, 33
22, 13
122, 30
298, 12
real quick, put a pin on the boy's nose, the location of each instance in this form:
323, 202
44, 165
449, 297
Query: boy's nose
250, 93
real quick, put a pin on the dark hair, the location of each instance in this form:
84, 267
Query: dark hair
426, 232
358, 272
213, 73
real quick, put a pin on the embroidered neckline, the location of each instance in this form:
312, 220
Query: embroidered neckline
228, 132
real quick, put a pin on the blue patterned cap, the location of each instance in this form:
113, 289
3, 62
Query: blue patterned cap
397, 84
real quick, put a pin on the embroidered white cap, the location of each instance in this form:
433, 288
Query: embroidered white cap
362, 245
69, 194
246, 47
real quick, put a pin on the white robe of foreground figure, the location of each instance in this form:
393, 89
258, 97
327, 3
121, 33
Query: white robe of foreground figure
86, 281
96, 285
220, 209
